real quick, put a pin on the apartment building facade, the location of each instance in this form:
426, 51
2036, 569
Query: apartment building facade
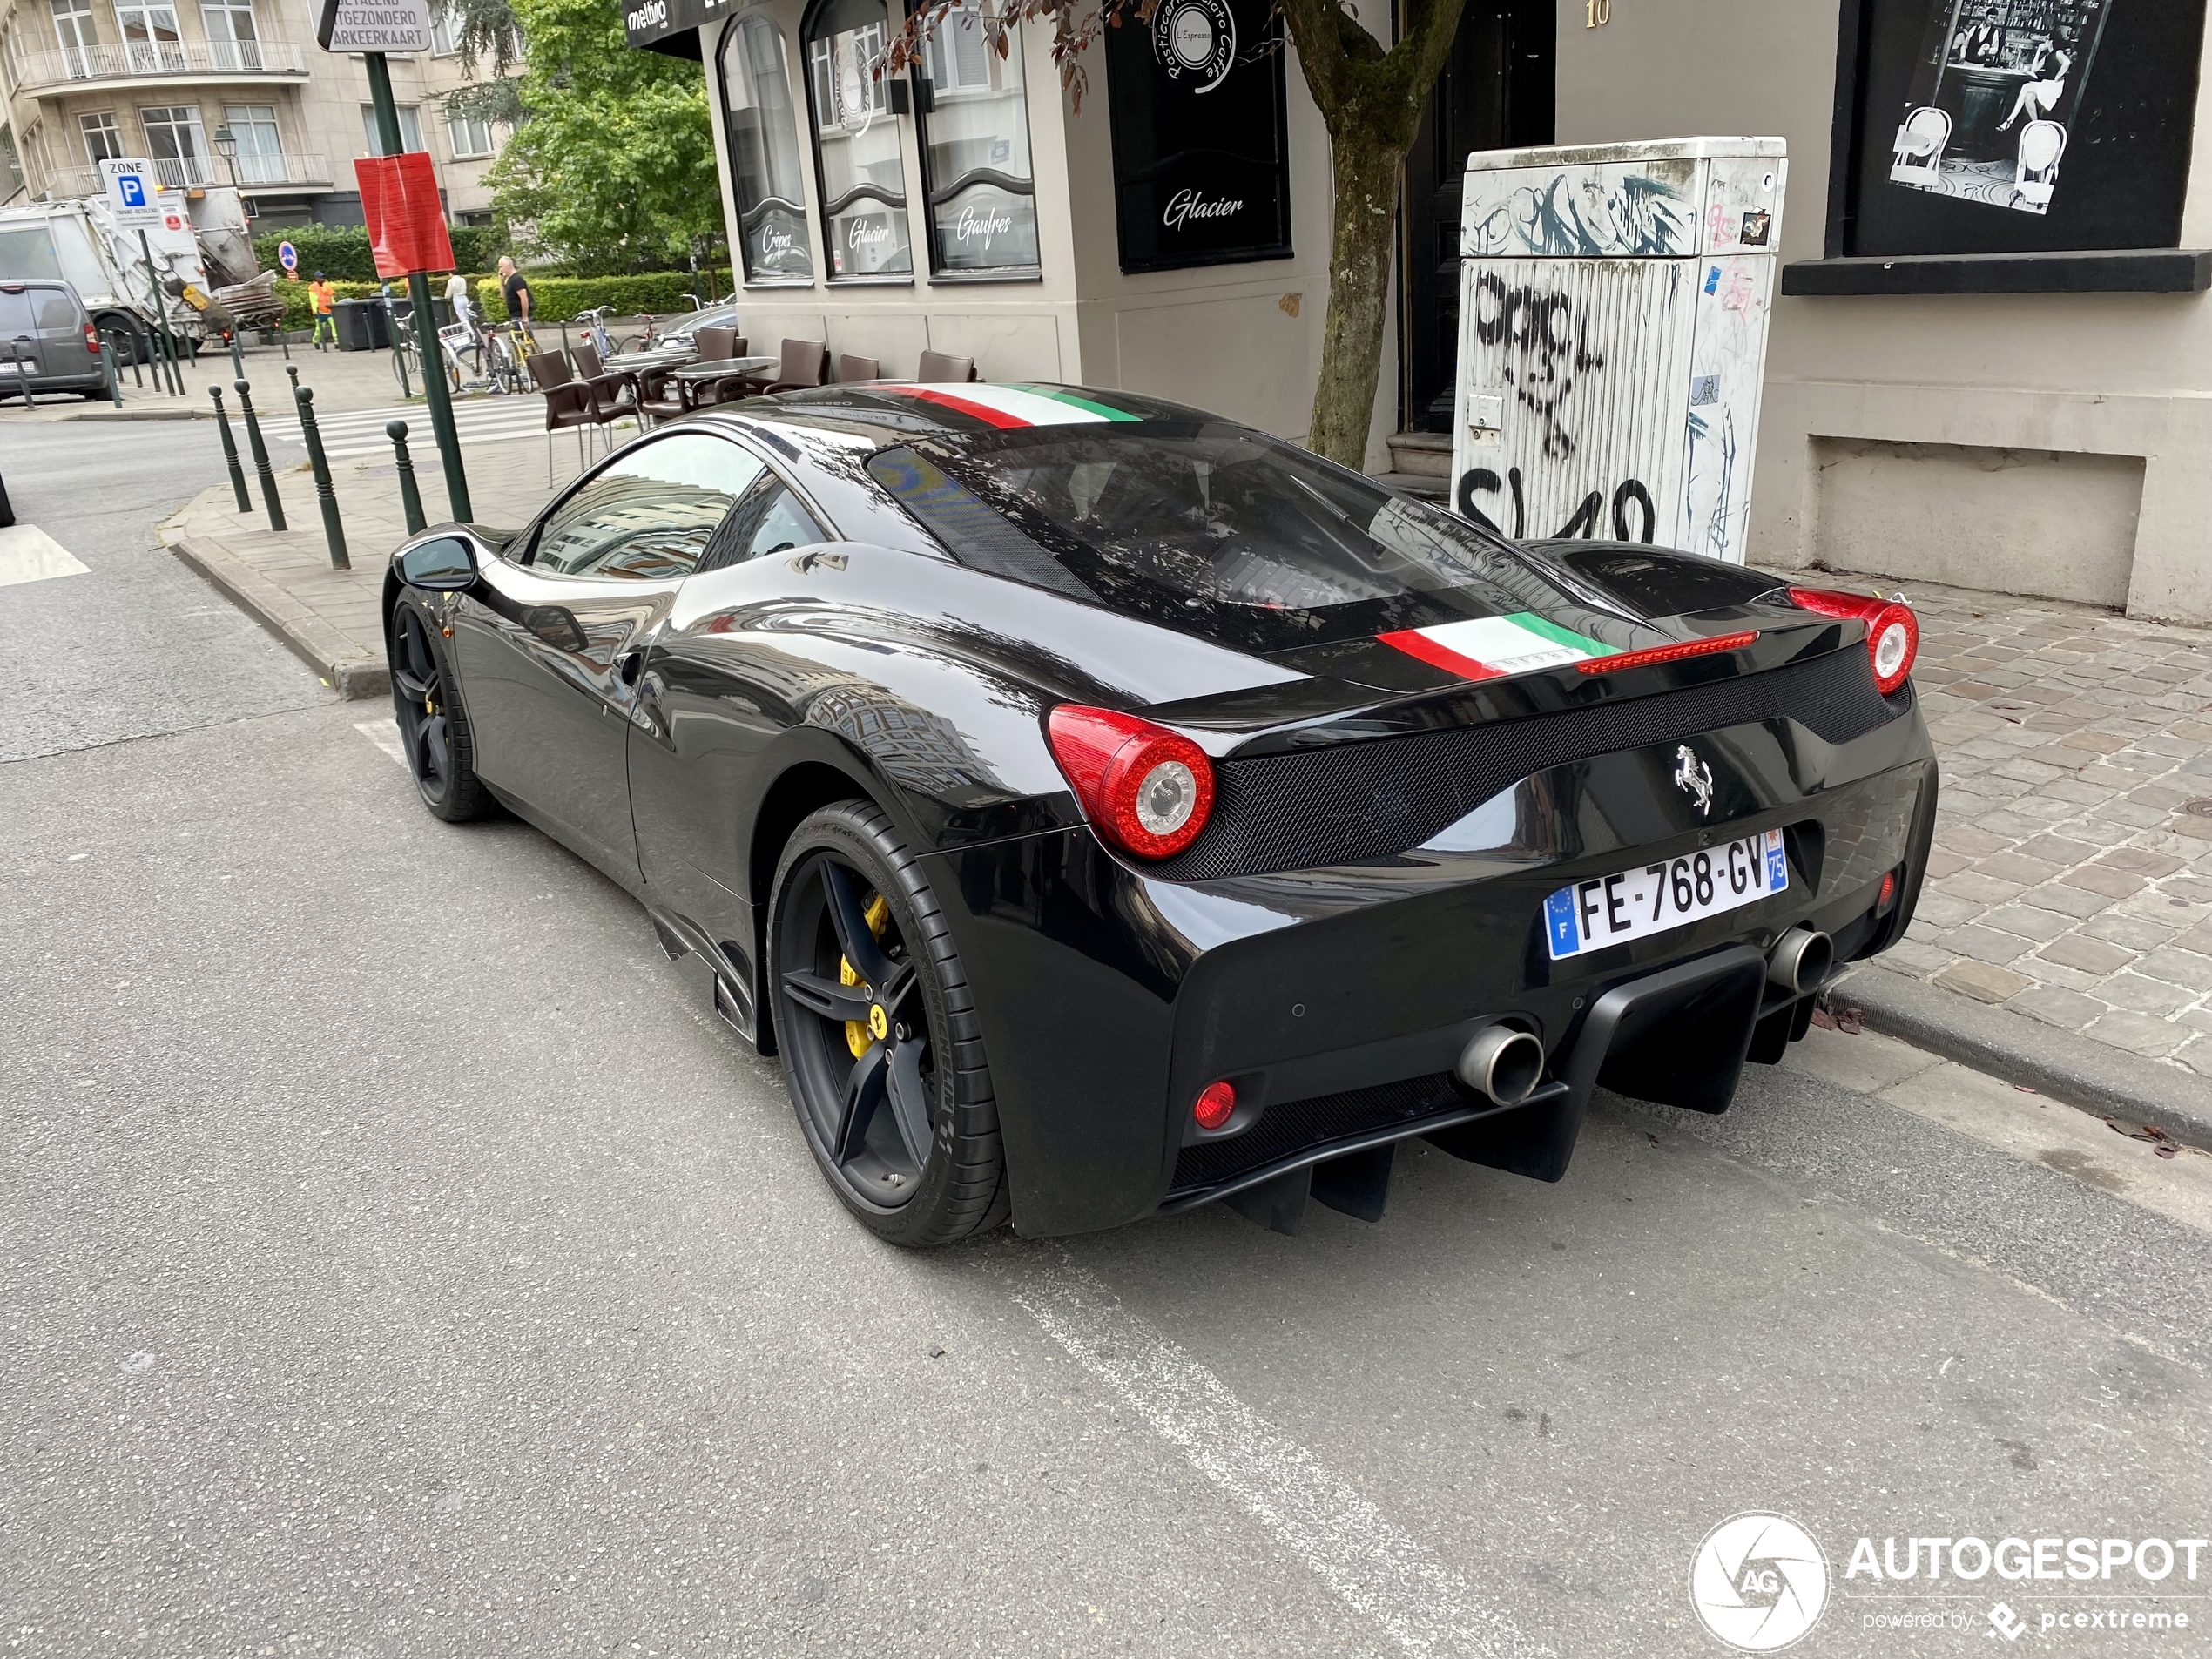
181, 82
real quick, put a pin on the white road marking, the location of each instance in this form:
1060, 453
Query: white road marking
1336, 1533
352, 434
386, 736
28, 554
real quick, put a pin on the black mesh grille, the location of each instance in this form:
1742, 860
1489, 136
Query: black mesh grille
1358, 801
1297, 1125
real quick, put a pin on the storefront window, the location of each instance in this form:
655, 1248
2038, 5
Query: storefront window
975, 147
764, 152
856, 140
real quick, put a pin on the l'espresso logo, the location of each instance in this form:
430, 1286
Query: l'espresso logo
1195, 39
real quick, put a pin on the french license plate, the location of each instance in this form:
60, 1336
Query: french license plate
1613, 909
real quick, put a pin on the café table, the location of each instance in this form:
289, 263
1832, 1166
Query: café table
695, 374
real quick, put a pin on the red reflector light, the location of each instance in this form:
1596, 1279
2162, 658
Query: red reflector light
1665, 653
1145, 789
1893, 631
1889, 890
1215, 1105
91, 340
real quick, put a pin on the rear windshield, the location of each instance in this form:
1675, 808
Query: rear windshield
1212, 528
36, 311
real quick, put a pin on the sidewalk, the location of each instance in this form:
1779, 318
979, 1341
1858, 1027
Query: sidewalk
341, 381
284, 581
2071, 883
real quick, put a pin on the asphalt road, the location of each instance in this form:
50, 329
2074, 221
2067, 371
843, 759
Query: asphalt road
396, 1258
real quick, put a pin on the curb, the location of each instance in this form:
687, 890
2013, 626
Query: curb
173, 413
2077, 1071
353, 677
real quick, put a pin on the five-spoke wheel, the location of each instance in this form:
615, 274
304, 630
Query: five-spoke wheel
433, 730
872, 1016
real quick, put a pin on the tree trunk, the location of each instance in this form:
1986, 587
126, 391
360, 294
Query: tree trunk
1367, 203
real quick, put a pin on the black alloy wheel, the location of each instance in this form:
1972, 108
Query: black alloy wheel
433, 731
877, 1034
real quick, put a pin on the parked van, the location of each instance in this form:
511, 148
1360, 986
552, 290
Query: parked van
44, 325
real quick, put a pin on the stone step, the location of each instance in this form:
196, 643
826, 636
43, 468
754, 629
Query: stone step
1427, 454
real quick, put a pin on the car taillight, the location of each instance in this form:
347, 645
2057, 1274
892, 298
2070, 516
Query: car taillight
1144, 788
91, 340
1893, 631
1215, 1105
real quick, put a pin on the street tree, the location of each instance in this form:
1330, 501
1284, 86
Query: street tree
1371, 97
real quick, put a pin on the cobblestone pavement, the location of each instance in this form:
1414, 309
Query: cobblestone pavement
2072, 878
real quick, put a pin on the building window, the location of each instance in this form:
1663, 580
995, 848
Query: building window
444, 41
974, 125
857, 153
233, 40
470, 135
150, 43
410, 129
11, 180
763, 131
10, 58
103, 136
177, 145
73, 28
261, 154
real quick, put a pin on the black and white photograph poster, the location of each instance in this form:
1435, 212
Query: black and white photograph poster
1985, 117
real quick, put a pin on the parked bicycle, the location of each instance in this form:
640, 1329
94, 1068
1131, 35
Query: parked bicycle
595, 330
506, 350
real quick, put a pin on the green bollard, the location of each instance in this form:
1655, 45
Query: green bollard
260, 456
410, 497
230, 452
333, 531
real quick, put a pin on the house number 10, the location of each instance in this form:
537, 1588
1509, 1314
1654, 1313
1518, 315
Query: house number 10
1596, 12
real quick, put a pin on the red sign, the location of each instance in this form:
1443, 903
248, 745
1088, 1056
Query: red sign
407, 222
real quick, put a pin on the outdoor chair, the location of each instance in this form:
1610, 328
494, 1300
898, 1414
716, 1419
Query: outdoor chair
730, 387
614, 393
805, 362
715, 344
850, 369
660, 395
937, 368
568, 402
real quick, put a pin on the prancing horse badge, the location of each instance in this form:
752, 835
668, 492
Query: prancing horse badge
1694, 779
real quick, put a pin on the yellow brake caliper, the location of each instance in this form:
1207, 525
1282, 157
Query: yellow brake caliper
878, 916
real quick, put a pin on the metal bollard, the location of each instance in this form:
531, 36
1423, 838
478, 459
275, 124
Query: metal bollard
333, 531
108, 368
410, 497
230, 452
23, 370
237, 359
137, 363
260, 454
292, 369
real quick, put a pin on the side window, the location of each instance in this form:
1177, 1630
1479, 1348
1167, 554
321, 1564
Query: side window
768, 521
650, 515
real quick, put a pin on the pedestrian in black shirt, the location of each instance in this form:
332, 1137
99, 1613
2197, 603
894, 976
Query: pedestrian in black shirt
514, 288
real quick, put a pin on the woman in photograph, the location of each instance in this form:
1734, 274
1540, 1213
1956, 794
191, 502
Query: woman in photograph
2046, 83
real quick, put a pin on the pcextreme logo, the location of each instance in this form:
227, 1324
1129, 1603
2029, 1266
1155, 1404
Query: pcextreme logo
1759, 1581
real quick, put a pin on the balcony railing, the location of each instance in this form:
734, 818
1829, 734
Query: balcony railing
255, 173
142, 59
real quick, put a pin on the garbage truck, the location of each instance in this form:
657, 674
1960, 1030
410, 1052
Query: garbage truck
201, 247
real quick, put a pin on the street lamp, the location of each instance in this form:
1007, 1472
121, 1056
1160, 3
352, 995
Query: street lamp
227, 147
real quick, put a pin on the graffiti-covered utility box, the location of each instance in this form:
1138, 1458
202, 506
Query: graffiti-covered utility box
1613, 318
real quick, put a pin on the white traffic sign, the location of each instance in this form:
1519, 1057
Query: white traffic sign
373, 25
132, 192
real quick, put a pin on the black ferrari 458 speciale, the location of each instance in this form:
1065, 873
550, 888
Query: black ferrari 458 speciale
1102, 808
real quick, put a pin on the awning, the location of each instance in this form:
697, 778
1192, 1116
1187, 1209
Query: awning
672, 26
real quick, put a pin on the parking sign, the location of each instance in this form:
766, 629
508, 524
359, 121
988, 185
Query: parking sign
130, 191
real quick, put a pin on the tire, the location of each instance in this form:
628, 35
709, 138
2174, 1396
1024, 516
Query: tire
433, 726
137, 347
866, 1093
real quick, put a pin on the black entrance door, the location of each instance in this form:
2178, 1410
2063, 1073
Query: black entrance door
1495, 93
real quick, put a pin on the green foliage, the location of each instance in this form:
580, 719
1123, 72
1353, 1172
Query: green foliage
340, 252
614, 169
555, 298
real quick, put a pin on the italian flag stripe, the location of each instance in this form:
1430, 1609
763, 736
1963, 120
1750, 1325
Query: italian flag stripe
1058, 395
960, 405
1487, 648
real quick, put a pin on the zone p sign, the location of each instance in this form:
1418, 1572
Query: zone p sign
130, 191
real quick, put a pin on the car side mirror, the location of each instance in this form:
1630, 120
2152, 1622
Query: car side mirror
443, 566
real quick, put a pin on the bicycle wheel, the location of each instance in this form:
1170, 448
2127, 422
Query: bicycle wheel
400, 371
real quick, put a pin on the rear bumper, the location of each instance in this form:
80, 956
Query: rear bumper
1338, 1000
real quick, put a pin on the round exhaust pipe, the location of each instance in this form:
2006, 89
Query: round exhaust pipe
1502, 1063
1800, 960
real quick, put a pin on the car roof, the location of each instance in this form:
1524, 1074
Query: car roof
878, 413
